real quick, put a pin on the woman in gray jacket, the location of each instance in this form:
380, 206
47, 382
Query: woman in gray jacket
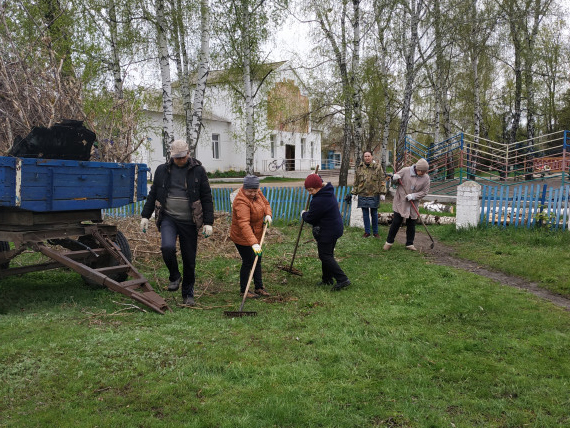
413, 184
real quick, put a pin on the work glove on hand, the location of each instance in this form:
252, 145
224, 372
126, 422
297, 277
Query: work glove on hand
348, 198
382, 197
303, 212
144, 224
267, 220
411, 196
396, 177
207, 230
256, 249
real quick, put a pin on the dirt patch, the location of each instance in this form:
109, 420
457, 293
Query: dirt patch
446, 256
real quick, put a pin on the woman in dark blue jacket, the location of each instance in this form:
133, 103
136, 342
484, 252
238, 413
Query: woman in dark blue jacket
325, 217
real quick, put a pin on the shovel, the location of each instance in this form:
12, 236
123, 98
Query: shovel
241, 312
290, 268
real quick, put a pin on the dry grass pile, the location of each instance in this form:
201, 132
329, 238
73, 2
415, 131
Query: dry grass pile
145, 248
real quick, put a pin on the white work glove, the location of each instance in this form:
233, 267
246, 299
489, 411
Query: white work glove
207, 230
382, 197
396, 177
256, 249
411, 196
303, 212
144, 224
268, 220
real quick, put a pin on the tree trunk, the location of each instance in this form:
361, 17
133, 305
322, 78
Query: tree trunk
203, 70
340, 57
355, 84
249, 126
115, 65
415, 11
181, 60
167, 119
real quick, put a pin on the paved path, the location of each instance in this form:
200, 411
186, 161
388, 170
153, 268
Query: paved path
328, 176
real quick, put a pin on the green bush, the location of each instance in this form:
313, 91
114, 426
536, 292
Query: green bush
227, 174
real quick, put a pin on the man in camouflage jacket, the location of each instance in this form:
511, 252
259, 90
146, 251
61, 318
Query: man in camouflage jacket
370, 187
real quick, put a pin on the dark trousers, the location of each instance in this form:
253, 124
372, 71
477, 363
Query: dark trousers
247, 258
410, 229
186, 232
330, 267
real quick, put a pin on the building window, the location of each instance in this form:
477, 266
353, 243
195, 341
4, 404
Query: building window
312, 150
272, 139
303, 147
216, 146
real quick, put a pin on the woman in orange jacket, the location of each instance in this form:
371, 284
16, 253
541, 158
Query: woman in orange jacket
250, 211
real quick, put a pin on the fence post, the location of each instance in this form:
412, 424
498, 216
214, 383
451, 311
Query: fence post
356, 219
468, 205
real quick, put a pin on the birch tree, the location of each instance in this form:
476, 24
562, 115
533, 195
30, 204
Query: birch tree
355, 84
383, 13
412, 11
202, 75
165, 76
243, 27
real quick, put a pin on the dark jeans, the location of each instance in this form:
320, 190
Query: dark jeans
247, 258
366, 214
410, 229
186, 232
330, 267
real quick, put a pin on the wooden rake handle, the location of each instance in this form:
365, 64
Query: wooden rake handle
253, 268
301, 227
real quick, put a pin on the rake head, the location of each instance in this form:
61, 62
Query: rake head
239, 314
291, 270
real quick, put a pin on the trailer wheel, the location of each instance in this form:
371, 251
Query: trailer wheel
5, 246
125, 248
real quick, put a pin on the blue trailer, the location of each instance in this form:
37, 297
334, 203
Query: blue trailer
46, 205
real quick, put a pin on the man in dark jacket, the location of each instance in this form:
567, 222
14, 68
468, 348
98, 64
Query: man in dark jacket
180, 196
325, 217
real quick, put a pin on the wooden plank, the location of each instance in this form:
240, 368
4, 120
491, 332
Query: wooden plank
565, 207
13, 216
494, 204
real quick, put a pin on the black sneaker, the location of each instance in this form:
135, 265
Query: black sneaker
189, 301
173, 286
340, 285
324, 283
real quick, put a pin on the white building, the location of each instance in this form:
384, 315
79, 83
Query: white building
283, 129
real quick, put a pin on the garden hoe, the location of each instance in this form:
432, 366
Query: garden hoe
241, 312
419, 216
290, 268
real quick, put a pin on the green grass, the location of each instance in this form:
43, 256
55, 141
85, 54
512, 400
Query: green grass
409, 344
540, 255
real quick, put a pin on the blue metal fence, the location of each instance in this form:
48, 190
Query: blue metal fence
525, 206
286, 203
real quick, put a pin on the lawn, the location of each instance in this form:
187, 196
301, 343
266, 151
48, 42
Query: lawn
409, 344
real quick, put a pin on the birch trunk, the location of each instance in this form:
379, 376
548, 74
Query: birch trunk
249, 126
517, 46
381, 11
167, 119
181, 60
415, 10
355, 84
203, 70
115, 65
340, 57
